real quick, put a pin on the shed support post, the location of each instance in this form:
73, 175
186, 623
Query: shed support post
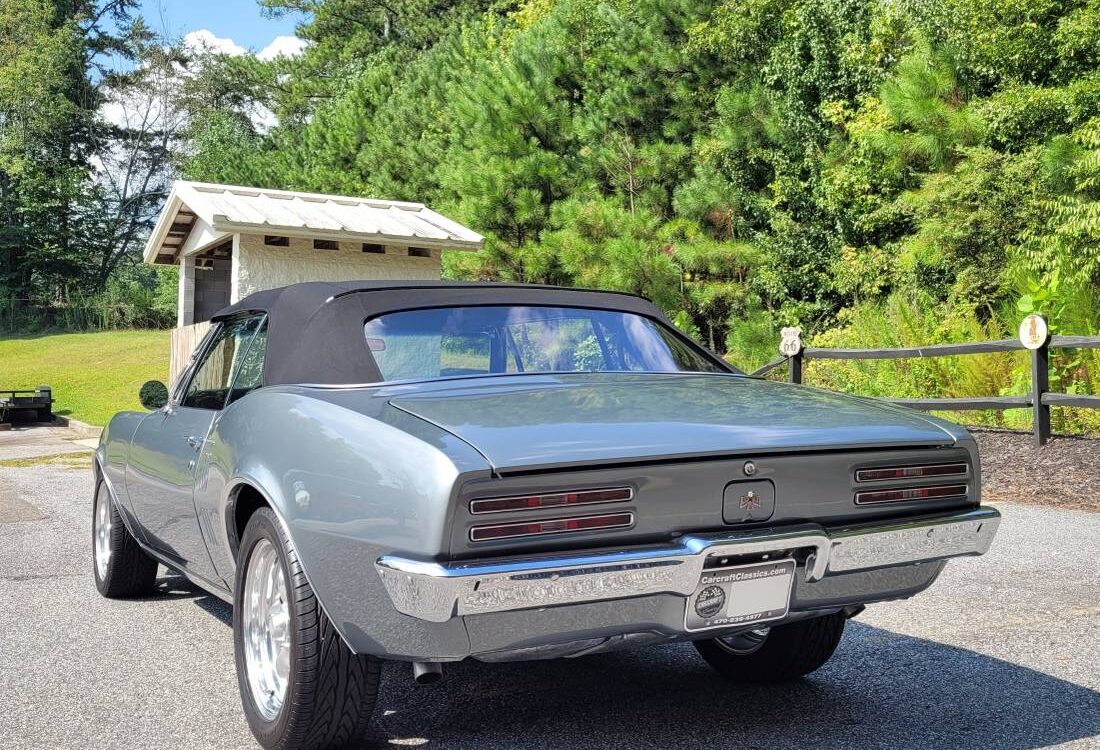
1040, 385
186, 310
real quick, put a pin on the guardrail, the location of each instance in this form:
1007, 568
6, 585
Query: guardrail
1033, 337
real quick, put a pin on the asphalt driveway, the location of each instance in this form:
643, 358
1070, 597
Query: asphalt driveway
1002, 654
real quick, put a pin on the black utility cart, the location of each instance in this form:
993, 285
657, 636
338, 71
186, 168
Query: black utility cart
27, 406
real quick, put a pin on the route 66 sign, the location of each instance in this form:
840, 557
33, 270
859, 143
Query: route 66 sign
791, 342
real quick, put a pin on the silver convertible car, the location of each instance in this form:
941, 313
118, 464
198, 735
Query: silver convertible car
429, 472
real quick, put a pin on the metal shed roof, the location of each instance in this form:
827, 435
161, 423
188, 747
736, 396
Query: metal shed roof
198, 215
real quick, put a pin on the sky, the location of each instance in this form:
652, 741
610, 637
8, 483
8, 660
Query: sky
232, 26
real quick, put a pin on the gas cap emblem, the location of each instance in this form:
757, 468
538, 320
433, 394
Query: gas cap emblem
750, 468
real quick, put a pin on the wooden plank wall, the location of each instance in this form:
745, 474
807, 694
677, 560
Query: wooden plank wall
184, 341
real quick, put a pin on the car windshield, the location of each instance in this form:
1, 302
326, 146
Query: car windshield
482, 340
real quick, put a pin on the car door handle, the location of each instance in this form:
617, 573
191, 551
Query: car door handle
195, 441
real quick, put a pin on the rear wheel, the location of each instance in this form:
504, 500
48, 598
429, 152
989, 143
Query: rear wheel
301, 686
120, 566
778, 654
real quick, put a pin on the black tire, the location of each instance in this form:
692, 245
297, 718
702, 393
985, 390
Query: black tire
330, 692
128, 571
786, 653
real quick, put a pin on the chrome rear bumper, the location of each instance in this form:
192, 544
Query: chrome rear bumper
438, 593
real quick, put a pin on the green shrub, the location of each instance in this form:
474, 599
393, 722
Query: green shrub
903, 321
141, 297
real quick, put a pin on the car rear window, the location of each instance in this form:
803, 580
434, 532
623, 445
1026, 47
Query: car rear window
484, 340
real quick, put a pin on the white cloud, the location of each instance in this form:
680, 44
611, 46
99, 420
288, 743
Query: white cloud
282, 46
113, 110
204, 40
263, 118
143, 111
147, 109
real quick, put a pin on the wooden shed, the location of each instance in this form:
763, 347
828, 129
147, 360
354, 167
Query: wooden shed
230, 241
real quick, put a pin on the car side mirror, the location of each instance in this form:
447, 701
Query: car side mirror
153, 395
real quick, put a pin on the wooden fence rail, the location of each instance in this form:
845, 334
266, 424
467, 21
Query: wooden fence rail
1039, 400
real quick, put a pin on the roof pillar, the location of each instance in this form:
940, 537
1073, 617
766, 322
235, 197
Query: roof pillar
235, 270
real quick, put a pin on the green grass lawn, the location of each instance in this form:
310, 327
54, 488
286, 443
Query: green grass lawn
93, 375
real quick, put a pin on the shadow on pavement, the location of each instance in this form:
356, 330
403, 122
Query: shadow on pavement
174, 586
214, 606
881, 690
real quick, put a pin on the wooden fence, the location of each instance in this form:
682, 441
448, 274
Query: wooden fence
1039, 400
184, 341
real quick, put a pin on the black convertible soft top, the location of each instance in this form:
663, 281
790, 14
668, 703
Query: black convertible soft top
315, 329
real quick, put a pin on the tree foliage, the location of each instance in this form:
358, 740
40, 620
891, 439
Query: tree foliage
745, 163
78, 189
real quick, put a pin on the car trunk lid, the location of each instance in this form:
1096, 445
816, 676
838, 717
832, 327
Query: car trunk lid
539, 422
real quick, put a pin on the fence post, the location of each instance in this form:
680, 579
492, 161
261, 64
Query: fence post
1035, 335
1040, 385
796, 367
791, 347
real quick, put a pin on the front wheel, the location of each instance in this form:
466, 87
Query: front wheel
778, 654
301, 686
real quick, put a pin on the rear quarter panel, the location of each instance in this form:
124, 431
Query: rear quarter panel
349, 487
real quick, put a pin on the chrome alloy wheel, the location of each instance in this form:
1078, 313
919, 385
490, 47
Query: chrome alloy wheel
743, 644
103, 527
266, 626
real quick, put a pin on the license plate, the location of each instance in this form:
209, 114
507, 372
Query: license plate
741, 595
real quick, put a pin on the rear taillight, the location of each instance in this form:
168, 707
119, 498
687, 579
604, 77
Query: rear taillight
551, 526
551, 500
910, 472
910, 493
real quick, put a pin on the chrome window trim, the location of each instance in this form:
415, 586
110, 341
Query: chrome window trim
245, 353
183, 380
199, 358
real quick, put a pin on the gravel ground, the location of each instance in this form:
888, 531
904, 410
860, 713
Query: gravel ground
1065, 472
1001, 654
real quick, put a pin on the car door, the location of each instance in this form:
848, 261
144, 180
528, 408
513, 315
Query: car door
166, 446
216, 462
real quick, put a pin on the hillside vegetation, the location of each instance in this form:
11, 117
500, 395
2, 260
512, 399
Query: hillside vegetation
879, 173
93, 375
